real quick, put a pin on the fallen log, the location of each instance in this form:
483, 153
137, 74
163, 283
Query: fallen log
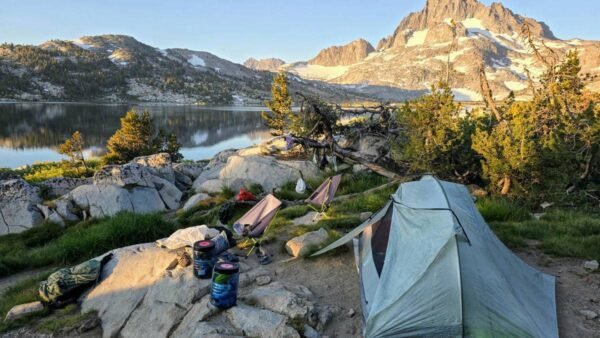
347, 156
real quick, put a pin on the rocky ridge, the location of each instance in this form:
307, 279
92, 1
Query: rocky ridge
349, 54
270, 64
125, 69
463, 32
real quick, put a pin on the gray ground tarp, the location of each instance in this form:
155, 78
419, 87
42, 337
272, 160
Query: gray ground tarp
444, 273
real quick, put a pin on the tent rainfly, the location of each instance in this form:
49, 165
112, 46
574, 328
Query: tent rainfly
429, 266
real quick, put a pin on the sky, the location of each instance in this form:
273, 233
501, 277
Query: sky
292, 30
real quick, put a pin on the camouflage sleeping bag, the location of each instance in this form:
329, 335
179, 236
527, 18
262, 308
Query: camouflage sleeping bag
65, 285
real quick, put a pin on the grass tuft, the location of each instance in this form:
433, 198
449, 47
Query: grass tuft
39, 248
562, 233
25, 291
502, 210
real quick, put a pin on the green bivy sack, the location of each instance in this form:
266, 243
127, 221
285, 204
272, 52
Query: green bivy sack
65, 285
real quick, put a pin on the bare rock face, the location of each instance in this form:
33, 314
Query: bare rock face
125, 281
495, 17
234, 171
455, 33
270, 64
158, 164
137, 175
143, 186
108, 200
260, 323
130, 174
277, 298
18, 206
56, 187
139, 295
349, 54
191, 170
373, 147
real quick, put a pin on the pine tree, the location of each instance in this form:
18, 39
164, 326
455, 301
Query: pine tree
134, 138
280, 105
434, 137
540, 147
73, 148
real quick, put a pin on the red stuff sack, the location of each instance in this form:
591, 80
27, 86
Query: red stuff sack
244, 195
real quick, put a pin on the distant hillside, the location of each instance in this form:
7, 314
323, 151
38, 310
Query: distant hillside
117, 68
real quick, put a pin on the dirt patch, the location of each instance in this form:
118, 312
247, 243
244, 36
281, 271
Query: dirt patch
332, 279
576, 290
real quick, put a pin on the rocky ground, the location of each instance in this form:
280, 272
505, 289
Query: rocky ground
175, 303
142, 293
577, 292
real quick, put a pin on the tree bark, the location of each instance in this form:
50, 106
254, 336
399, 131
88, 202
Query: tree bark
506, 184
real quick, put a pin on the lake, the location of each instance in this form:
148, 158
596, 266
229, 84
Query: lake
31, 132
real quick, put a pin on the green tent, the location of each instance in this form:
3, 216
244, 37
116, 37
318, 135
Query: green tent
430, 266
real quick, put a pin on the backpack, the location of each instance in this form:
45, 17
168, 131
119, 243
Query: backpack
65, 285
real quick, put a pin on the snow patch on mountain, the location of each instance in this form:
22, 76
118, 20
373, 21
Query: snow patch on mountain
196, 61
317, 72
515, 85
79, 43
417, 38
473, 23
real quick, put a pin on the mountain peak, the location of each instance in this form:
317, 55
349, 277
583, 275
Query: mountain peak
348, 54
270, 64
494, 18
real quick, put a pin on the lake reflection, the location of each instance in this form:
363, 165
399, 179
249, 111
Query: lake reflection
30, 132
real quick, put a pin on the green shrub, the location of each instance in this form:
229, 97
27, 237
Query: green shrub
39, 172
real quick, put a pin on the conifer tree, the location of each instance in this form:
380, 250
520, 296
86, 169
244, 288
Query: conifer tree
434, 137
134, 138
280, 105
73, 148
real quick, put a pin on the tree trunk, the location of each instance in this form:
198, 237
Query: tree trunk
506, 183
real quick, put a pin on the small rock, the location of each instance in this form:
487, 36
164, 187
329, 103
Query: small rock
194, 200
20, 311
301, 245
351, 313
589, 314
538, 216
358, 168
263, 280
309, 332
546, 205
325, 315
591, 265
308, 219
365, 215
